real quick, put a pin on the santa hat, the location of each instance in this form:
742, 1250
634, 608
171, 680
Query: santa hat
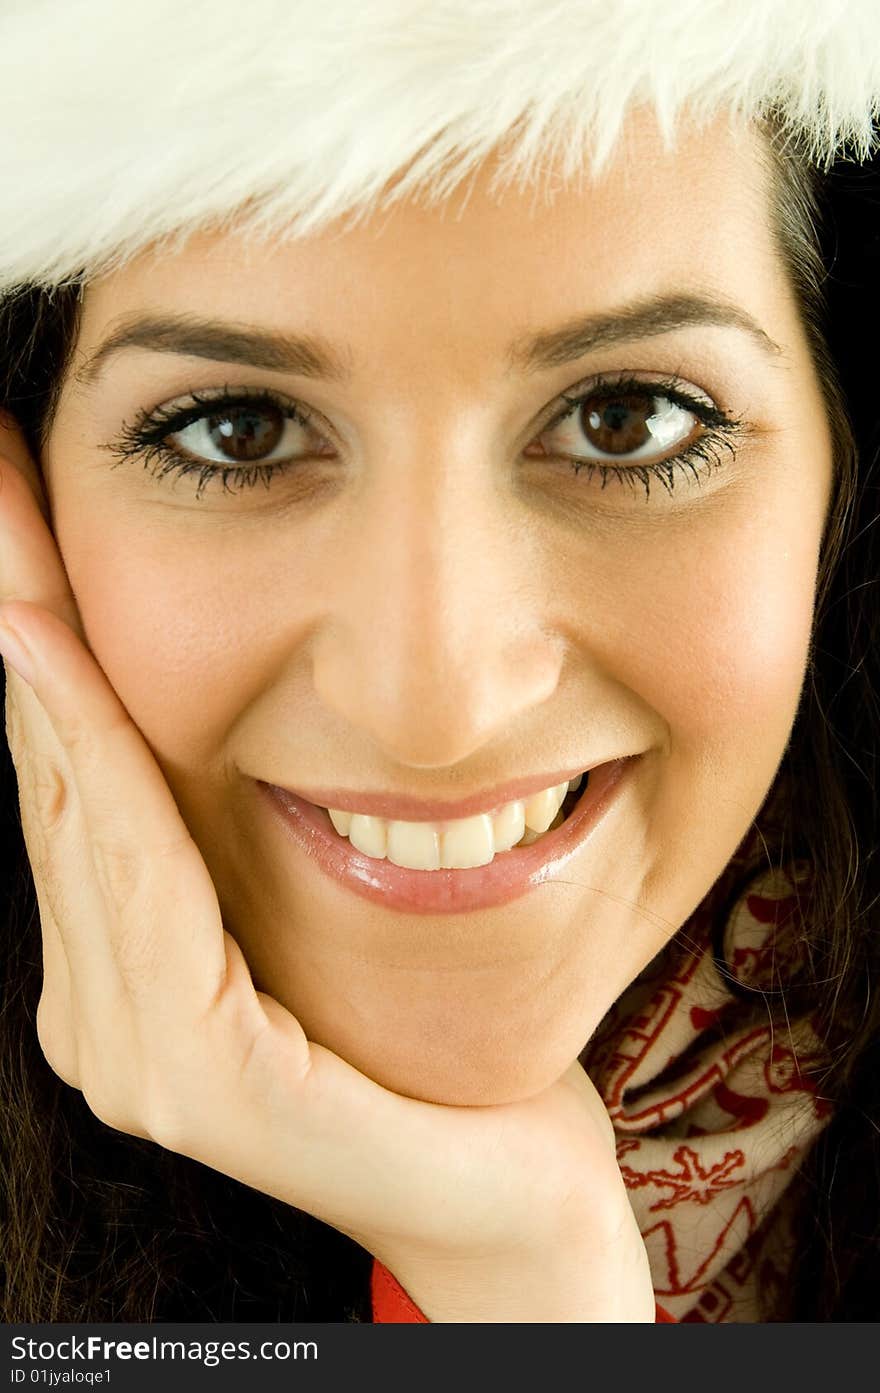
124, 123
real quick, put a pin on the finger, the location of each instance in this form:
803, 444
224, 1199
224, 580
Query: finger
101, 1045
14, 448
31, 567
162, 922
56, 1031
55, 1024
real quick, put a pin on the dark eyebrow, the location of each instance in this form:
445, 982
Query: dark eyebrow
223, 343
313, 357
642, 320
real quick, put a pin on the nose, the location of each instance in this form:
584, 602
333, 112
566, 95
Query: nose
437, 642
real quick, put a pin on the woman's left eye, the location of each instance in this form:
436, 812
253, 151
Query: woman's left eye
632, 432
625, 427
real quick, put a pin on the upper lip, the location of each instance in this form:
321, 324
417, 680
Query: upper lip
405, 808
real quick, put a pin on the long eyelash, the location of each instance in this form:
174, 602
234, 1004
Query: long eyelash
722, 433
705, 451
144, 438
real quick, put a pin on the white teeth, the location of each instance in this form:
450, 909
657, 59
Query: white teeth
455, 845
369, 834
468, 842
531, 836
414, 844
341, 821
509, 825
542, 807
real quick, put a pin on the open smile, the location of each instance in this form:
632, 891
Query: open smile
498, 873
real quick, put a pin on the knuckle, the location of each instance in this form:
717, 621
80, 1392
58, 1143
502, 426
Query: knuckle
104, 1070
101, 1104
50, 793
109, 1103
57, 1042
168, 1121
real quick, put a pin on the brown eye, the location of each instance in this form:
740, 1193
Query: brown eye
246, 433
629, 427
619, 426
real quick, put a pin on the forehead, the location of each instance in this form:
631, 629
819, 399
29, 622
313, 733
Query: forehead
491, 260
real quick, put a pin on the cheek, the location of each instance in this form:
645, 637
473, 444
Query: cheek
725, 630
169, 621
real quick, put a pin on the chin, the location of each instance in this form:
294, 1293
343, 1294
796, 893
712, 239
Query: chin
468, 1080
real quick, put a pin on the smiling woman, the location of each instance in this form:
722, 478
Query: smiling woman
424, 631
440, 468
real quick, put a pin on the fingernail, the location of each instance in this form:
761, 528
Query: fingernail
13, 650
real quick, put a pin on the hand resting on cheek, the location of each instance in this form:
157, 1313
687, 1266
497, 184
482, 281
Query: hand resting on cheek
508, 1212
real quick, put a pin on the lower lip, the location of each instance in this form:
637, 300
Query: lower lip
511, 874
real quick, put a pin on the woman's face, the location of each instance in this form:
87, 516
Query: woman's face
430, 603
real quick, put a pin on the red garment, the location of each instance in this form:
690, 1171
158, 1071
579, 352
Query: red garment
392, 1305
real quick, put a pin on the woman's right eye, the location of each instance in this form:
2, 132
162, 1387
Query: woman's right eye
241, 439
245, 434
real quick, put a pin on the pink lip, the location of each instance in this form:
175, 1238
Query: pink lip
511, 874
408, 809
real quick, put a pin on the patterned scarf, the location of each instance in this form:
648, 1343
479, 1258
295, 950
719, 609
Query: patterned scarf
712, 1111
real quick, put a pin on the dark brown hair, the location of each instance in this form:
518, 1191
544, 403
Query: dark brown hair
98, 1225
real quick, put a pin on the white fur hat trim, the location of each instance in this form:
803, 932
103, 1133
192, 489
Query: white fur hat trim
128, 121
